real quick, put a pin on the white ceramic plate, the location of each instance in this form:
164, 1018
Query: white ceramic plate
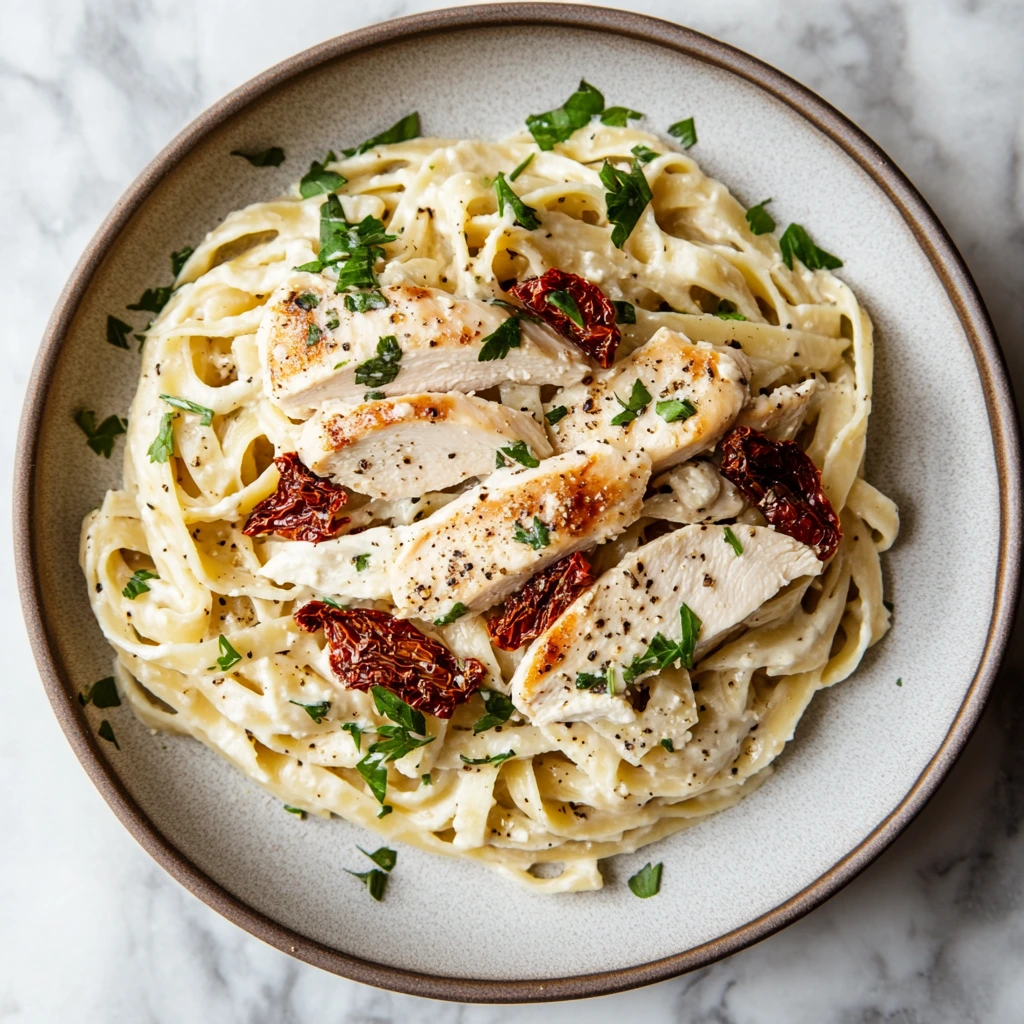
866, 755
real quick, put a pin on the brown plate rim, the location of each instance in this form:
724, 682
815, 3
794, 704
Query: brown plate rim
947, 264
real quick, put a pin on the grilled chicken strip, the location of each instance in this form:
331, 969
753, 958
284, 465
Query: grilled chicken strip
613, 621
479, 548
437, 343
781, 413
402, 447
713, 382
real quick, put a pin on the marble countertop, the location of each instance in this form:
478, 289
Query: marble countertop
92, 930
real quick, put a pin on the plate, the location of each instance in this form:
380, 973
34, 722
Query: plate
943, 443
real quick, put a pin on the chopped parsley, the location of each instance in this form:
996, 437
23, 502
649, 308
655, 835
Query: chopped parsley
372, 396
899, 682
272, 157
618, 116
355, 732
206, 415
626, 198
554, 415
592, 680
662, 652
228, 655
644, 154
297, 811
137, 584
384, 857
490, 759
313, 335
727, 311
100, 438
557, 125
639, 399
733, 541
795, 242
685, 132
566, 304
675, 409
362, 302
646, 882
332, 602
759, 219
180, 258
456, 611
102, 694
383, 368
315, 711
153, 299
376, 881
162, 447
361, 562
307, 301
106, 732
520, 452
537, 538
498, 343
398, 741
625, 312
357, 271
385, 810
401, 131
332, 320
668, 745
318, 179
521, 167
359, 245
498, 710
425, 779
523, 215
117, 332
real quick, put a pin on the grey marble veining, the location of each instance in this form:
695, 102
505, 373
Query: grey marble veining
92, 930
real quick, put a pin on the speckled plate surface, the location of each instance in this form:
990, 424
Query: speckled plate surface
867, 754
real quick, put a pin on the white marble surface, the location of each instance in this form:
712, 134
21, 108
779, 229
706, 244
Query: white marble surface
92, 930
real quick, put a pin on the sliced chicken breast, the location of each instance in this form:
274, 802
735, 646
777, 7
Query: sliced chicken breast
479, 548
353, 566
779, 414
311, 346
694, 492
614, 621
699, 389
401, 447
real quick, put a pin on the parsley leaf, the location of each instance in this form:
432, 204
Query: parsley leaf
554, 415
685, 132
492, 759
498, 710
590, 680
565, 303
372, 396
117, 332
625, 312
384, 857
899, 682
361, 562
644, 154
668, 745
100, 438
638, 402
626, 198
376, 881
102, 694
662, 652
646, 882
313, 335
373, 769
398, 711
228, 655
297, 811
315, 711
618, 116
796, 242
498, 343
759, 219
520, 452
183, 403
307, 301
106, 732
153, 299
675, 409
357, 271
362, 302
690, 629
727, 311
523, 215
537, 538
425, 779
383, 368
355, 732
162, 447
137, 584
557, 125
401, 131
733, 541
180, 258
332, 602
397, 742
521, 167
272, 157
318, 179
456, 611
332, 322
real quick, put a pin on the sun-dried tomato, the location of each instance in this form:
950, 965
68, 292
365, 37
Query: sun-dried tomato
373, 648
534, 607
304, 506
780, 478
599, 336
